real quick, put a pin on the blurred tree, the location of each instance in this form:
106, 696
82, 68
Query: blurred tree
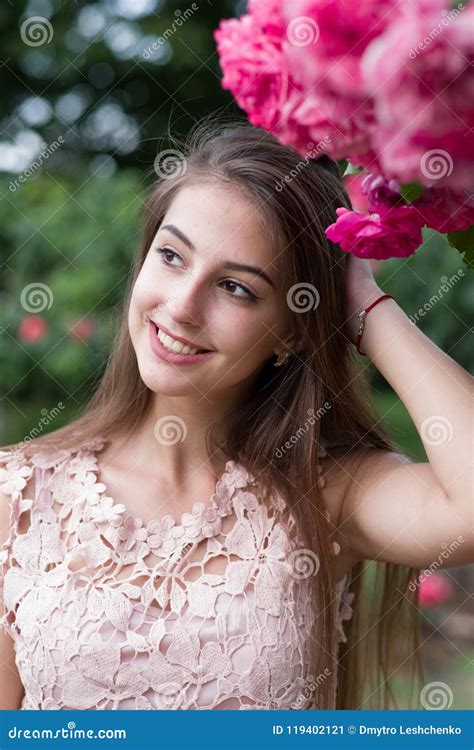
105, 76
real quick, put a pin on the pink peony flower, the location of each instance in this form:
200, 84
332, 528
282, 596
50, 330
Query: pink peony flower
423, 92
380, 192
32, 328
395, 232
327, 41
434, 590
254, 66
324, 49
446, 211
439, 208
253, 52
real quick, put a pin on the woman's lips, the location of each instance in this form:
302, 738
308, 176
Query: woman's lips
173, 357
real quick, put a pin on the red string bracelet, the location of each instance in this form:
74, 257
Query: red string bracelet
363, 315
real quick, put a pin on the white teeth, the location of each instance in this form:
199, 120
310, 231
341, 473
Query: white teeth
175, 346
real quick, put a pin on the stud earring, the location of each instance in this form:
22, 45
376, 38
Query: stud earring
282, 359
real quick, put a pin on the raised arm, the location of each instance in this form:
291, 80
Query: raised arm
396, 510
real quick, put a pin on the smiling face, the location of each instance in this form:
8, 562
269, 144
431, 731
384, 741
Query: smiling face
210, 277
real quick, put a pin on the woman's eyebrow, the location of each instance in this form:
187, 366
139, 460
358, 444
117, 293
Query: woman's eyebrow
231, 265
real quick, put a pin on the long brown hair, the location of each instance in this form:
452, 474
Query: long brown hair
296, 199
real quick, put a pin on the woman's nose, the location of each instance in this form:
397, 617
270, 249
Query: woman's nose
187, 299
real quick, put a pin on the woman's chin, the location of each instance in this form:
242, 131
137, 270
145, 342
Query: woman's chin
167, 380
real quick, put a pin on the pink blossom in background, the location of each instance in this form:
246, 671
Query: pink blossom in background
395, 232
435, 589
424, 96
32, 328
82, 329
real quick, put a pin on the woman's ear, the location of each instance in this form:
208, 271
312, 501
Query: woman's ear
293, 344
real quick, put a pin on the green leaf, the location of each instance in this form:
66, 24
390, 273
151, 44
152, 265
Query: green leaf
410, 191
352, 169
464, 244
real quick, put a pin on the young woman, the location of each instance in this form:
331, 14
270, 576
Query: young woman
197, 538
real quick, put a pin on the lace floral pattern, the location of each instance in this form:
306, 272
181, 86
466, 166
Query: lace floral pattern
107, 612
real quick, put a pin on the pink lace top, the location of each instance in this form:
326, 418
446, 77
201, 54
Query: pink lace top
109, 613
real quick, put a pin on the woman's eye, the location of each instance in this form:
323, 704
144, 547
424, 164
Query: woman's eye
247, 294
165, 253
167, 256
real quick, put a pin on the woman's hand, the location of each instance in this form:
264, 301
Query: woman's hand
361, 290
